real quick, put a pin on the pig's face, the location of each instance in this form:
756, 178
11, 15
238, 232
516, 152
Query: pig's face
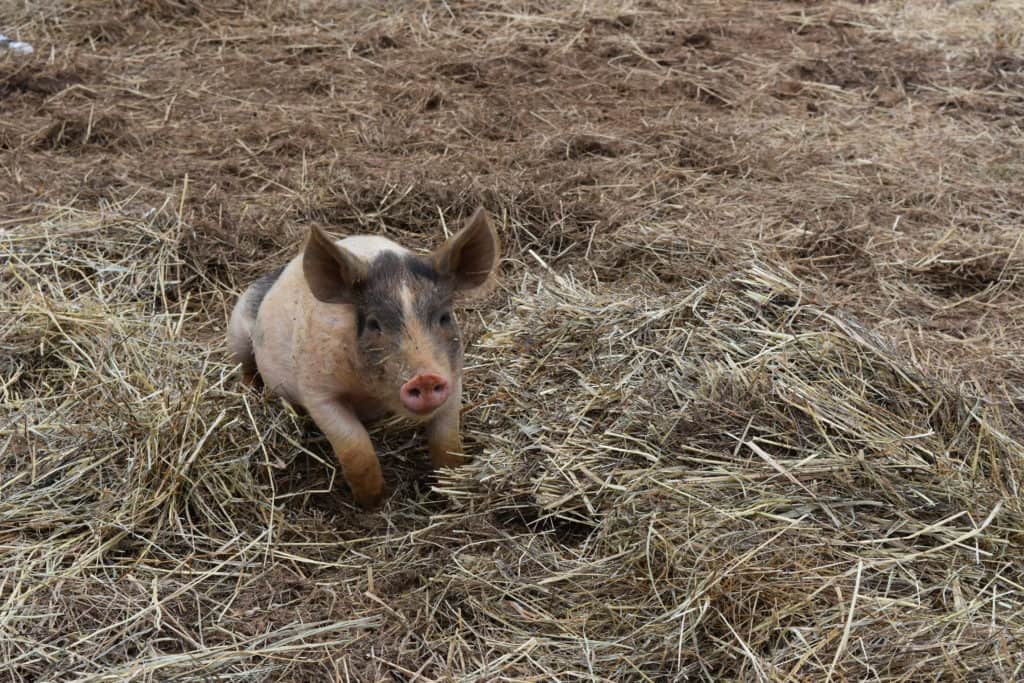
407, 340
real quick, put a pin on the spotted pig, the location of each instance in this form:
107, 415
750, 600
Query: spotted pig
355, 329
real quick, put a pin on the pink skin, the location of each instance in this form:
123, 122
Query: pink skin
307, 336
424, 394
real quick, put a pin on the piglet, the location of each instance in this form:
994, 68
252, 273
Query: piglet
354, 329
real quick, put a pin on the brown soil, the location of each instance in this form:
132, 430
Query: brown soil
159, 155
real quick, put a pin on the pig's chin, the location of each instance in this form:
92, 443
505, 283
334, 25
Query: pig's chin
398, 409
401, 411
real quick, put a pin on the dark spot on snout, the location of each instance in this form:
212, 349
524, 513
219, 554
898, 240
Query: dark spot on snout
260, 288
380, 295
430, 294
390, 270
422, 269
379, 298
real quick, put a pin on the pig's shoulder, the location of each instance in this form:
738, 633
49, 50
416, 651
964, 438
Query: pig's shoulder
369, 247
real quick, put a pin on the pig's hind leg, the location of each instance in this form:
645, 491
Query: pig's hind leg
243, 321
240, 342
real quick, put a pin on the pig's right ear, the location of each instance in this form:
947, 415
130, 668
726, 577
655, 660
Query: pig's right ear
331, 272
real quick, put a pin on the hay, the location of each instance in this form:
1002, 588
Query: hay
745, 407
732, 480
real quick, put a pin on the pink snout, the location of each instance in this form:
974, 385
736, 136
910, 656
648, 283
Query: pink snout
424, 393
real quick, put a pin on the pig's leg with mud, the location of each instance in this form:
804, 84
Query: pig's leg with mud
443, 436
353, 450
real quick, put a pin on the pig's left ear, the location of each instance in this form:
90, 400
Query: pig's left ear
470, 256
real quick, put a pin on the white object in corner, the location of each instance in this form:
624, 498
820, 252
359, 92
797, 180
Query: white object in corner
15, 45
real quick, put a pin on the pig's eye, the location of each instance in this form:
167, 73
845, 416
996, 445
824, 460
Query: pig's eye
445, 318
372, 325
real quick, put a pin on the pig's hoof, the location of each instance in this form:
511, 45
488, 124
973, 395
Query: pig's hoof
449, 460
373, 501
251, 380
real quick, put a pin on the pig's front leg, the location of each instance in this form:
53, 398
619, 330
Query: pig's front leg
443, 435
353, 450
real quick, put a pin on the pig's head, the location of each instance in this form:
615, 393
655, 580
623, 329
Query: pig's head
407, 340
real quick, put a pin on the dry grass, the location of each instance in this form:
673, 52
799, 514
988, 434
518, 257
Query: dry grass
746, 406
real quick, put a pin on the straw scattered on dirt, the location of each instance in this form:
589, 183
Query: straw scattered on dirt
746, 405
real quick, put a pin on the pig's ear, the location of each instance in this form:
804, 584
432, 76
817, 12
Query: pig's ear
469, 257
331, 272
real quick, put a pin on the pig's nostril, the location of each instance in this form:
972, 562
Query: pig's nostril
424, 393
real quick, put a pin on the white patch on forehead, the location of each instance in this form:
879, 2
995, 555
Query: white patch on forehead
405, 296
416, 345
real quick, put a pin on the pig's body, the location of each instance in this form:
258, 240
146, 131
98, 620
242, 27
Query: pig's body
346, 358
301, 346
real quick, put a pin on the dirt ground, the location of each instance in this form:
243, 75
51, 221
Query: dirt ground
745, 406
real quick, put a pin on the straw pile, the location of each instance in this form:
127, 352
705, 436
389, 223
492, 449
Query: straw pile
746, 405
